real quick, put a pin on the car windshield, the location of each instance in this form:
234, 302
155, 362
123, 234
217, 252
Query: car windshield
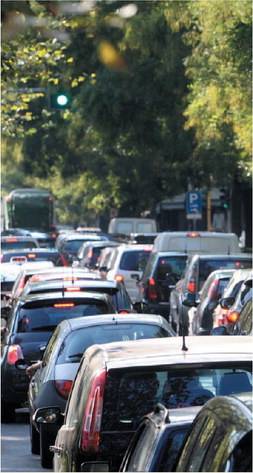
78, 341
208, 266
12, 245
134, 260
43, 318
172, 387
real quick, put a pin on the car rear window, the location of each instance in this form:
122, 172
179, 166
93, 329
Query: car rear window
203, 244
169, 266
208, 266
18, 245
78, 341
32, 256
131, 394
134, 260
47, 317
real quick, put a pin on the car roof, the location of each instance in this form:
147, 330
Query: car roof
239, 256
101, 243
83, 236
241, 274
51, 283
170, 253
31, 250
51, 296
134, 247
29, 268
104, 319
13, 238
155, 352
9, 271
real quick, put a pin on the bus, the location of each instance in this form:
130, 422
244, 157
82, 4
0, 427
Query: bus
32, 209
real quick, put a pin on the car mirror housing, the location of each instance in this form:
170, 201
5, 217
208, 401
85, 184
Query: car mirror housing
48, 415
22, 364
189, 300
227, 302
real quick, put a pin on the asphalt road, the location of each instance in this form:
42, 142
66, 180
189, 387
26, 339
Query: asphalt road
15, 447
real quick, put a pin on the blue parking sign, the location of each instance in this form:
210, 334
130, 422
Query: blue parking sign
194, 204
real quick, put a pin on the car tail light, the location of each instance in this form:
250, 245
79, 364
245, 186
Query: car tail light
64, 305
63, 387
32, 255
193, 234
192, 286
11, 239
90, 437
14, 354
232, 317
152, 290
124, 311
119, 278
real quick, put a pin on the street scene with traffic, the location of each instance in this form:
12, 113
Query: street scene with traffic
126, 236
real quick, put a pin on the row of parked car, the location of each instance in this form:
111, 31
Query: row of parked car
110, 389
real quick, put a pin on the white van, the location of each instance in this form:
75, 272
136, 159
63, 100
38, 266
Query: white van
132, 225
198, 242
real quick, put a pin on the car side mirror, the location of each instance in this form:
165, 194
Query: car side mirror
22, 364
227, 302
222, 330
95, 466
48, 415
189, 300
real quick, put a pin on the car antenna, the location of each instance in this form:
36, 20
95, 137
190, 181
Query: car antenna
184, 347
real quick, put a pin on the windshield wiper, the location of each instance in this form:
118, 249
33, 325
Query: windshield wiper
76, 355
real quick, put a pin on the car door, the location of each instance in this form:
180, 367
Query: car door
66, 443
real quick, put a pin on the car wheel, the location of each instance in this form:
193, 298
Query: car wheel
35, 440
46, 457
8, 412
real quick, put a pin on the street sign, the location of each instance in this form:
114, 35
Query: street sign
193, 205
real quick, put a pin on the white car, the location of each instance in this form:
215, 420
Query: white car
127, 264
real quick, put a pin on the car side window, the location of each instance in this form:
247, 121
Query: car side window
50, 346
172, 447
142, 451
196, 445
246, 318
75, 404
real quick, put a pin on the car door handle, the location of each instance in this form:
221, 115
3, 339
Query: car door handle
55, 449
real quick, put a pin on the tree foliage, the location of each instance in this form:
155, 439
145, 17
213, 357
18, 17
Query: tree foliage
161, 94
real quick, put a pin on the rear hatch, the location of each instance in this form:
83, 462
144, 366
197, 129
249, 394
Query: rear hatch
169, 270
131, 267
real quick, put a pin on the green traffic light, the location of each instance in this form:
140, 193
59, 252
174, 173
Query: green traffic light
62, 100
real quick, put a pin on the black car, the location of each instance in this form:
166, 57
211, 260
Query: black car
158, 439
18, 243
36, 254
53, 379
162, 272
116, 289
29, 328
220, 438
197, 270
